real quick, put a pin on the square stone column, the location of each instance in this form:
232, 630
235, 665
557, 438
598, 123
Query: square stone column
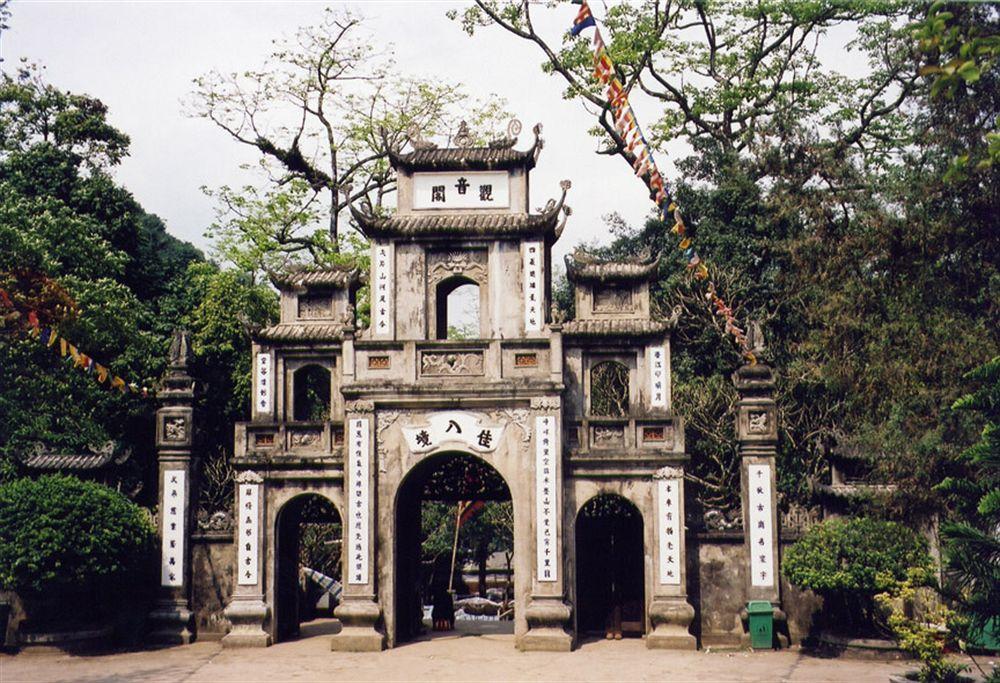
358, 611
669, 611
247, 611
171, 620
548, 613
757, 432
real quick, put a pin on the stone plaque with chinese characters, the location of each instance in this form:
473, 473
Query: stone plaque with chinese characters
358, 496
172, 557
453, 427
382, 290
265, 383
761, 532
463, 190
534, 287
669, 528
659, 388
546, 499
248, 533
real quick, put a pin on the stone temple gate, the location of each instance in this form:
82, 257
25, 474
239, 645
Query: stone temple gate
563, 410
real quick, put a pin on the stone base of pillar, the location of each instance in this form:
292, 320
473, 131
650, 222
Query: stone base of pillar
547, 620
171, 623
358, 617
671, 619
248, 617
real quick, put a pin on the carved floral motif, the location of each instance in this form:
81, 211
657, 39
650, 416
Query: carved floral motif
451, 363
757, 423
175, 429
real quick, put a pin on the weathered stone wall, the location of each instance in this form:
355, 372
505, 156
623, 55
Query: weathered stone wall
212, 558
717, 588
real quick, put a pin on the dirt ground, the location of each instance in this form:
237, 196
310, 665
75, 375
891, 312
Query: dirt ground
445, 657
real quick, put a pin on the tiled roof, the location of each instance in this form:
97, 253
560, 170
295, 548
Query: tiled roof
412, 225
61, 461
582, 267
425, 224
464, 159
327, 276
614, 328
306, 332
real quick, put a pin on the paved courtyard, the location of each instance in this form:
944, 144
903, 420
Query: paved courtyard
443, 658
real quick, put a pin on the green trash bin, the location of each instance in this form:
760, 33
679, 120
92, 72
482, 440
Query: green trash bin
761, 617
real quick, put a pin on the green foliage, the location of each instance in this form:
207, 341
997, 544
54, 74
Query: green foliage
848, 562
961, 44
972, 548
862, 555
60, 536
926, 637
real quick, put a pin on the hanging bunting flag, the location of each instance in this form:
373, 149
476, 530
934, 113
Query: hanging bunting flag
645, 167
583, 19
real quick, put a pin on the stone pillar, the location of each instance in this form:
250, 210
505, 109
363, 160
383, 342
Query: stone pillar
358, 611
670, 613
247, 611
757, 433
547, 613
171, 620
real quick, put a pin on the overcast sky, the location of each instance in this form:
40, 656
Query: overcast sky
140, 58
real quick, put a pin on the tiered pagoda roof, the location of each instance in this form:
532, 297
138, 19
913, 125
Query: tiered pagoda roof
583, 267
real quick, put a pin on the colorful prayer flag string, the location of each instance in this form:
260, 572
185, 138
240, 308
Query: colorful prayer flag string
52, 339
627, 125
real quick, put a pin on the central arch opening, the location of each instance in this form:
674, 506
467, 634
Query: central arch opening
307, 580
454, 549
610, 585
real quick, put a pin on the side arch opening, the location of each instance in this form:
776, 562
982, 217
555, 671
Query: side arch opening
610, 568
308, 538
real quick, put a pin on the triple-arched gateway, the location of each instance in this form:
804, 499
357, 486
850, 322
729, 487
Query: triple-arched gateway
573, 419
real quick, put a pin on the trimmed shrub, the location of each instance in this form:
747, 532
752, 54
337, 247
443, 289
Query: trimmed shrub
848, 562
63, 538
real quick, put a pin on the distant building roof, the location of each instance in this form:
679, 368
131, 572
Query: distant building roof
42, 459
583, 267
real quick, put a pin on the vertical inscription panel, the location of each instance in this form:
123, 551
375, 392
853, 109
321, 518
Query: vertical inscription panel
383, 290
546, 499
249, 534
358, 497
264, 389
669, 530
173, 505
761, 526
534, 294
659, 390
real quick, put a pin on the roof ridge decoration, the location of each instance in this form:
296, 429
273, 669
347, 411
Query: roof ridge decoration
546, 223
582, 266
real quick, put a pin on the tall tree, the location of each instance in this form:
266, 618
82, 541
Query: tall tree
325, 109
